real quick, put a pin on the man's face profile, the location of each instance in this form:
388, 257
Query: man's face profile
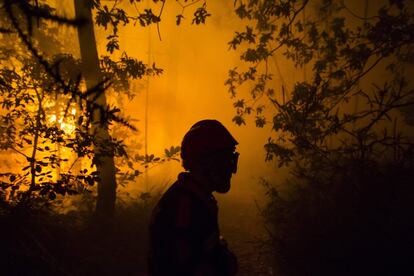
222, 167
208, 151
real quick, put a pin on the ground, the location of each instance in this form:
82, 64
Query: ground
242, 226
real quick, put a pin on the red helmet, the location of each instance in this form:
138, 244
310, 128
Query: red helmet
203, 138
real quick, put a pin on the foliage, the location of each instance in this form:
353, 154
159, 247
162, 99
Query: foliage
344, 224
342, 138
118, 14
47, 110
36, 127
41, 242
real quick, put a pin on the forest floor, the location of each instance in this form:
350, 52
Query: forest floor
47, 244
243, 228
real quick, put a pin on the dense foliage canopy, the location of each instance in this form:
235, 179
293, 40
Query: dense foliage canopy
343, 129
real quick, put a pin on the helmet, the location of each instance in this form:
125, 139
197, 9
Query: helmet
203, 138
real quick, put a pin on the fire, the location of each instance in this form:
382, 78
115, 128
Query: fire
67, 124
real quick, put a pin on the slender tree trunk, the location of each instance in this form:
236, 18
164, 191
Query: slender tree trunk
105, 204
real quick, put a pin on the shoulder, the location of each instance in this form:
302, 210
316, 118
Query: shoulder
174, 195
175, 207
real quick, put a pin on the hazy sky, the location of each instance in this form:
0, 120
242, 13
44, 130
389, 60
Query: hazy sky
196, 60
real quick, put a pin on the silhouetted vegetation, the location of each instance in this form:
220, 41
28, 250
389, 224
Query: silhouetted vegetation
343, 130
50, 122
48, 108
43, 242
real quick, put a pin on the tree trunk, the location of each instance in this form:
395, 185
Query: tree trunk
105, 204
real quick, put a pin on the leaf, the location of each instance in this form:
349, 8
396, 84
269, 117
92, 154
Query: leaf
239, 103
239, 120
200, 15
52, 196
89, 180
178, 19
260, 122
27, 140
242, 12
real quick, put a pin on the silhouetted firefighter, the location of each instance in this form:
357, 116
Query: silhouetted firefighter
184, 232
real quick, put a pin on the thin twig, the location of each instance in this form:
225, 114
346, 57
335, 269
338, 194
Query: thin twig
159, 17
19, 152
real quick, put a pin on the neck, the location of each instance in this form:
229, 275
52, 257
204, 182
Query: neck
202, 181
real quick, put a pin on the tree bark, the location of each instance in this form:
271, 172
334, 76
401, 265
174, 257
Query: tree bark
91, 72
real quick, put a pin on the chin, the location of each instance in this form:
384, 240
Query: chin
223, 188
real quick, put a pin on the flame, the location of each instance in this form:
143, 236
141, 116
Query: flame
52, 118
67, 128
66, 124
